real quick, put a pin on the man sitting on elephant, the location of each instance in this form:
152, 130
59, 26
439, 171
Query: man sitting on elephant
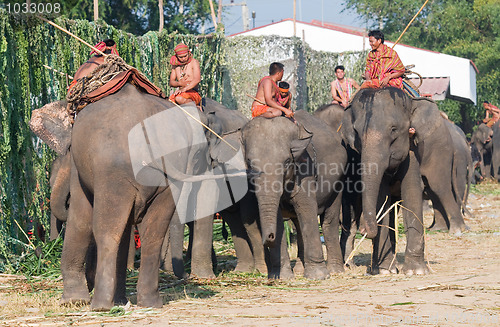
284, 95
108, 46
383, 66
493, 111
265, 103
185, 76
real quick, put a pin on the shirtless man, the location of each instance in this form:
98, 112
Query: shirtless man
342, 87
107, 46
265, 103
185, 76
493, 111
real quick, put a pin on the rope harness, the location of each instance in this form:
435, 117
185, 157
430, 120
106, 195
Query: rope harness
101, 75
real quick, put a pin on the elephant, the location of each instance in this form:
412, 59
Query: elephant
121, 175
228, 123
482, 140
438, 145
376, 126
296, 167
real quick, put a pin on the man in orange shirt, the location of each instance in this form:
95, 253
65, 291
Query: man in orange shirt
185, 76
383, 66
265, 103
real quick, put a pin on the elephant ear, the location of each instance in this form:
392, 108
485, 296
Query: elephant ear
347, 128
52, 124
299, 145
425, 117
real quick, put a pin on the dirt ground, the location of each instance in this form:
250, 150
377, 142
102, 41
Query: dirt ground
463, 289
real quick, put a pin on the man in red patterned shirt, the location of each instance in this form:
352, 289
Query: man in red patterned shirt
383, 66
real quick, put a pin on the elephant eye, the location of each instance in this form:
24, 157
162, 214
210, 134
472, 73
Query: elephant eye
394, 129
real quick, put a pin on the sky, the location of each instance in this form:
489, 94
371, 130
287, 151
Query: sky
268, 11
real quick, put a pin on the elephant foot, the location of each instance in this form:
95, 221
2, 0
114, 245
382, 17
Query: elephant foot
120, 300
377, 270
244, 267
335, 268
458, 229
100, 305
282, 273
75, 296
153, 301
415, 267
261, 268
298, 269
438, 227
316, 271
203, 273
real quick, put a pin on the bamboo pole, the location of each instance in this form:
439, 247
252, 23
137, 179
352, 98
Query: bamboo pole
72, 35
55, 70
219, 12
411, 21
212, 12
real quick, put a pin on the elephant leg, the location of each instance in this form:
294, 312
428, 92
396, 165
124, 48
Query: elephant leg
124, 250
155, 225
444, 192
77, 239
330, 226
383, 261
441, 222
298, 269
201, 256
280, 260
306, 208
250, 216
241, 242
110, 223
131, 251
411, 194
351, 214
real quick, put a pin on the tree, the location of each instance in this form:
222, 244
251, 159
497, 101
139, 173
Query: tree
141, 16
463, 28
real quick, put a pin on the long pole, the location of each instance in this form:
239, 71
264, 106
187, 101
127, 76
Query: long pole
162, 19
219, 12
212, 12
411, 21
73, 35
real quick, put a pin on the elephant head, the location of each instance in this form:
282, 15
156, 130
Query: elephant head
482, 137
272, 148
376, 125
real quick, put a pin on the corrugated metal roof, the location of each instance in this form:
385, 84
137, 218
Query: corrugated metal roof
434, 87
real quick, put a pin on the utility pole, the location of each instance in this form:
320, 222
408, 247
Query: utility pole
253, 18
294, 18
244, 12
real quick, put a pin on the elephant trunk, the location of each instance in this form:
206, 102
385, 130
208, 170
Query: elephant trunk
268, 200
374, 162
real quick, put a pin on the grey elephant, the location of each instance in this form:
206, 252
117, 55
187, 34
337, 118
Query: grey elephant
297, 168
119, 179
482, 140
376, 126
228, 123
438, 151
59, 195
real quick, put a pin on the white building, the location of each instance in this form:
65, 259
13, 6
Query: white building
444, 75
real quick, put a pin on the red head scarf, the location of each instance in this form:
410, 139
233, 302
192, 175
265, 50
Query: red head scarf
180, 49
103, 47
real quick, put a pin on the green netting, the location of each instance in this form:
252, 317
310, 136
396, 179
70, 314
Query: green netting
230, 69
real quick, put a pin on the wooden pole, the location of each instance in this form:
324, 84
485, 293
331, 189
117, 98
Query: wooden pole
73, 35
212, 11
96, 10
294, 18
162, 19
411, 21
